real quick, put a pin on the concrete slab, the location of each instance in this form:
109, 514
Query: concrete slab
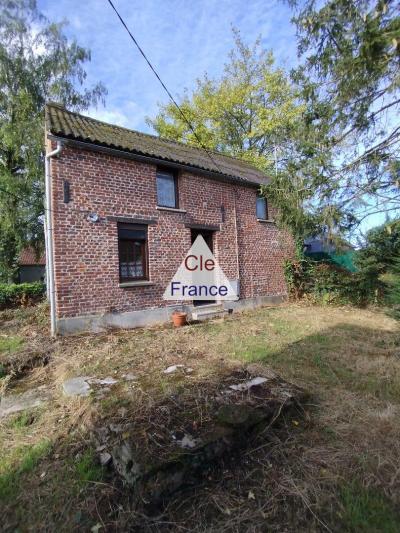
16, 403
76, 387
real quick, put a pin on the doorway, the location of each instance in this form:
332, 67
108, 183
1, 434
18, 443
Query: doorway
208, 237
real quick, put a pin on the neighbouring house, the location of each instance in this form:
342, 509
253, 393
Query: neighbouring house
31, 266
325, 244
332, 250
125, 208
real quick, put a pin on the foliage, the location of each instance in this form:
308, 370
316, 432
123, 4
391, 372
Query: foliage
245, 113
328, 283
377, 261
14, 294
392, 280
252, 112
381, 246
350, 80
37, 64
87, 469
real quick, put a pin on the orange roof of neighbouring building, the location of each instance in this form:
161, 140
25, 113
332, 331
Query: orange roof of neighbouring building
28, 256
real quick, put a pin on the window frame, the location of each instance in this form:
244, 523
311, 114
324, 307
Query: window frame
144, 249
174, 175
262, 197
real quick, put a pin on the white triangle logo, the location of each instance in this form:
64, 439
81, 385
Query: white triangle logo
199, 277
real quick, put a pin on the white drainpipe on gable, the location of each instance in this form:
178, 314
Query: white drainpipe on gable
49, 240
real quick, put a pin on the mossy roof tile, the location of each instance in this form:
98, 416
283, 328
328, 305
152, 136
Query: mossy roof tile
63, 123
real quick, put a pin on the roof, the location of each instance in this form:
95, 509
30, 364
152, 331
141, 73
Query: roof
66, 124
28, 257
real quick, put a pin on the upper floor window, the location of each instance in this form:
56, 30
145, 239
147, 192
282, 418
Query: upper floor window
132, 247
262, 208
167, 190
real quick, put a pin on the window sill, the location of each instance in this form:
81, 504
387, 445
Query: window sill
172, 209
264, 221
141, 283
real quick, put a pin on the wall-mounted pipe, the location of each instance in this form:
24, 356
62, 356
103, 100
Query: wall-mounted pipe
49, 239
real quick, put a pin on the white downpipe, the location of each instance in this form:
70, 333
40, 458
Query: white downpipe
47, 254
49, 240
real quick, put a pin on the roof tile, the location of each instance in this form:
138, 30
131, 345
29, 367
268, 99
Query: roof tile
67, 124
29, 257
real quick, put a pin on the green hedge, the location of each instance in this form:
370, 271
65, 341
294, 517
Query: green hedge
13, 294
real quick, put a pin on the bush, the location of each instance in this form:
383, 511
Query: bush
14, 295
392, 281
328, 283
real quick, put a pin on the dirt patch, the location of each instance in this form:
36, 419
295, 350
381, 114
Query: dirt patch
174, 443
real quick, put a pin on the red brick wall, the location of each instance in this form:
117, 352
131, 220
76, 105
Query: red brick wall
86, 254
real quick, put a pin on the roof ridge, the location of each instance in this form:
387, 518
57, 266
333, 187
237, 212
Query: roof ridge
165, 139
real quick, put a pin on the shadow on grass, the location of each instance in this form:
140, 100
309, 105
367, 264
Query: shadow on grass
250, 490
358, 359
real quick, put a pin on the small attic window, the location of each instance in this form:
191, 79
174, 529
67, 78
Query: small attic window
262, 208
167, 189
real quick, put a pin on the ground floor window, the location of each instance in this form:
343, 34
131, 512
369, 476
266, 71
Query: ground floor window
132, 245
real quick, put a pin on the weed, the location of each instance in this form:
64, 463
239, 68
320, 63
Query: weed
22, 461
367, 510
10, 344
22, 420
87, 469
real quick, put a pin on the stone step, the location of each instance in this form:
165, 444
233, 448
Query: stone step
206, 312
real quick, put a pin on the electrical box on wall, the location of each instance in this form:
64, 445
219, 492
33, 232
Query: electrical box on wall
235, 283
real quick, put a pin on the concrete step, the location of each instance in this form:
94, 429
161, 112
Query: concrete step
205, 312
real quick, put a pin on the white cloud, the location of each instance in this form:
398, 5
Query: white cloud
182, 39
112, 116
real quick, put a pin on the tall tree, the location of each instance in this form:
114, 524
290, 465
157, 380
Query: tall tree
252, 112
37, 64
245, 113
350, 74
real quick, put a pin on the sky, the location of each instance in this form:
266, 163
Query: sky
183, 39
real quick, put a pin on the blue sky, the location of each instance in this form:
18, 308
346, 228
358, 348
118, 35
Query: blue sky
183, 39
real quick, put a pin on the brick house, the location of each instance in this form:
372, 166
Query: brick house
31, 266
125, 208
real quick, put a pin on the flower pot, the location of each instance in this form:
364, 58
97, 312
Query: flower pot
179, 319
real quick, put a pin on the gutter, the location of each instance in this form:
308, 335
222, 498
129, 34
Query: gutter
49, 240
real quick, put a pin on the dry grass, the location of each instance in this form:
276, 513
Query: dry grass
334, 468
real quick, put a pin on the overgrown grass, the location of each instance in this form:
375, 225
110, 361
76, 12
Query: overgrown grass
23, 460
367, 510
23, 420
10, 344
307, 475
87, 469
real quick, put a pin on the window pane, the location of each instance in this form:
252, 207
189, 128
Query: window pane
136, 267
262, 208
166, 190
131, 232
132, 259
